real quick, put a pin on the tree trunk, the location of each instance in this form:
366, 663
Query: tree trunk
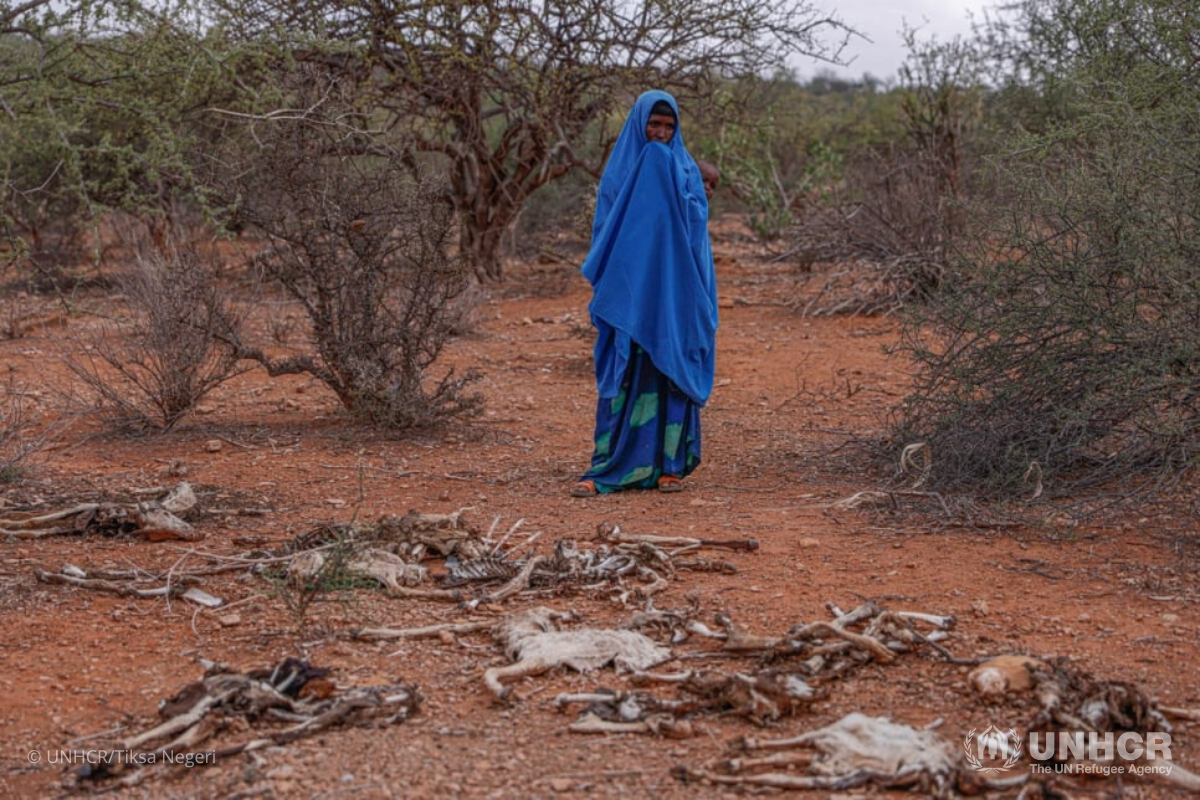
481, 245
488, 201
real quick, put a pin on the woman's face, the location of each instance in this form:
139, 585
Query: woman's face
660, 128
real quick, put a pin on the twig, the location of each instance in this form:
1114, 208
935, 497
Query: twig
93, 736
768, 489
365, 467
242, 561
236, 443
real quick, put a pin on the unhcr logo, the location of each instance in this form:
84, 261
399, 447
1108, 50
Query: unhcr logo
1082, 752
993, 750
1100, 746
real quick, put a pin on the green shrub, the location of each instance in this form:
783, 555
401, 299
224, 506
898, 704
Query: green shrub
1067, 345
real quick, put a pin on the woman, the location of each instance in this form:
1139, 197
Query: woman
654, 306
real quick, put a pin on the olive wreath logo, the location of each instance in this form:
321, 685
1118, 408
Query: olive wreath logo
993, 741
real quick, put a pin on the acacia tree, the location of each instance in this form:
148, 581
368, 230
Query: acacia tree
1066, 348
99, 100
515, 94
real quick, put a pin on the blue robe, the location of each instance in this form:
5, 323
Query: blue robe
654, 307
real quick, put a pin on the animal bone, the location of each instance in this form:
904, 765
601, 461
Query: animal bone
761, 697
70, 577
700, 629
1074, 700
1191, 714
534, 645
519, 582
664, 725
417, 521
154, 519
738, 639
858, 749
158, 524
479, 569
389, 569
944, 621
874, 646
180, 499
566, 698
1183, 778
380, 634
783, 757
293, 691
843, 619
864, 498
444, 533
613, 533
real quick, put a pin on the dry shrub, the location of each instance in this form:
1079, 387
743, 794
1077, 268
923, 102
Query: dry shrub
1063, 354
1069, 352
24, 429
888, 229
31, 293
362, 241
150, 369
898, 216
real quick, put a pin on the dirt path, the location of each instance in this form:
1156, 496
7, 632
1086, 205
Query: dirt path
271, 460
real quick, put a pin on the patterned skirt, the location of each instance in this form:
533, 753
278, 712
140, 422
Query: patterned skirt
648, 430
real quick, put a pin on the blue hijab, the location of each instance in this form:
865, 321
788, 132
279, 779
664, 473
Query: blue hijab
650, 264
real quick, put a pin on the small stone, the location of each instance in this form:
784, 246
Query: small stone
230, 620
562, 784
807, 542
213, 446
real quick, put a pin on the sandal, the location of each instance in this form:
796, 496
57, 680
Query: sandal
584, 489
670, 483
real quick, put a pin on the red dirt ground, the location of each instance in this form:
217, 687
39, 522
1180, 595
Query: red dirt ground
1118, 597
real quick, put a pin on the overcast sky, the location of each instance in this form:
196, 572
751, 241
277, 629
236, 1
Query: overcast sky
882, 21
